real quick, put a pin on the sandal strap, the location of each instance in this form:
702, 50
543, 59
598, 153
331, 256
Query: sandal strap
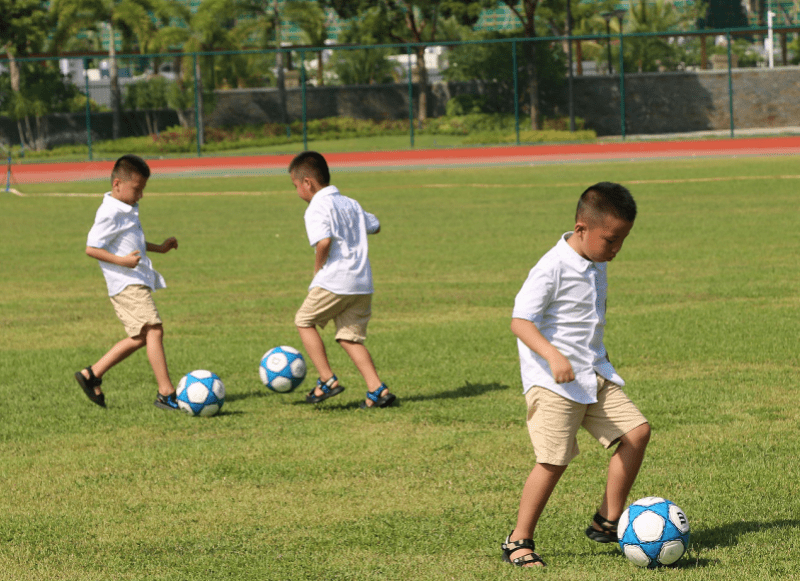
93, 381
605, 524
326, 386
510, 547
376, 395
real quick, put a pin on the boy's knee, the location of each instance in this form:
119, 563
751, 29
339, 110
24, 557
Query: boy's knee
640, 436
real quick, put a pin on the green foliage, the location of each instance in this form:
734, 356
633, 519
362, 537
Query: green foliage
363, 66
272, 489
149, 94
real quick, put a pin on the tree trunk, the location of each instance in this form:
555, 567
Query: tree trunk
280, 81
199, 87
579, 58
533, 85
116, 100
422, 97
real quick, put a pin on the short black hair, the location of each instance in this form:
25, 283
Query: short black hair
128, 165
606, 198
311, 164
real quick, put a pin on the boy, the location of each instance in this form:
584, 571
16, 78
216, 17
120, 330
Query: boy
337, 228
117, 242
568, 380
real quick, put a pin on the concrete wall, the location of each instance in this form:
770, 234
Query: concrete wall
654, 103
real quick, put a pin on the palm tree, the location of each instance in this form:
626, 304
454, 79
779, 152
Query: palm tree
311, 19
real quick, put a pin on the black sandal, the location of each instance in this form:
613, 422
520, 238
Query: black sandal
88, 385
327, 390
510, 547
378, 400
608, 534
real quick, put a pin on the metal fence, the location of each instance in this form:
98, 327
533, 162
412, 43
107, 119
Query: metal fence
285, 89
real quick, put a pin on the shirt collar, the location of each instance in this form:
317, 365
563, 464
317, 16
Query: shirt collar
119, 205
327, 191
570, 257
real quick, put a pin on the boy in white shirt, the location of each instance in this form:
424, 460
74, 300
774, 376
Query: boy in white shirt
117, 241
341, 289
568, 380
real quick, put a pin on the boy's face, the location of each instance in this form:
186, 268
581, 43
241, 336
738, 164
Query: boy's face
306, 187
129, 190
601, 240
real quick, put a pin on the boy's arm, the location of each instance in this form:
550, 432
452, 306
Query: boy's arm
560, 366
130, 261
321, 252
164, 247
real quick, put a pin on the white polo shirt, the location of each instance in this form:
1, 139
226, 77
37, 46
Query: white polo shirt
565, 297
332, 215
117, 229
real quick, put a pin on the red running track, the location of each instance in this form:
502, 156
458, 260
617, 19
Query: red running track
477, 157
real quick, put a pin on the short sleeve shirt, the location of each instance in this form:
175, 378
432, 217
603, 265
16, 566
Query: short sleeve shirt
117, 229
344, 221
565, 297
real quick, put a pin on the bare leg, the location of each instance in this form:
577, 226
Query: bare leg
622, 471
537, 490
154, 337
363, 362
119, 352
315, 347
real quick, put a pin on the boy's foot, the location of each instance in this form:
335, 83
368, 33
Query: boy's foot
166, 402
521, 553
380, 398
323, 391
602, 530
91, 386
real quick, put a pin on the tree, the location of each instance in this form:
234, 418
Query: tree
72, 16
724, 14
23, 28
363, 66
653, 53
311, 19
413, 21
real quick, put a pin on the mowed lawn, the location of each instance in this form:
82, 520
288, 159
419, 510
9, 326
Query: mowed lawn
703, 323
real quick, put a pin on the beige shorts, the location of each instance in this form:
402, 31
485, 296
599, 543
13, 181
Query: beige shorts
135, 308
350, 313
553, 421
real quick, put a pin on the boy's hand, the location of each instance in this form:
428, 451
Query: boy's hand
164, 247
560, 367
131, 260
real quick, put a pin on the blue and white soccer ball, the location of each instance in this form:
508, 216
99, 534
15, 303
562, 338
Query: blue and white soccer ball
200, 393
653, 532
282, 369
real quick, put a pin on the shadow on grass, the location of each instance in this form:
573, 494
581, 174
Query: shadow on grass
466, 390
727, 535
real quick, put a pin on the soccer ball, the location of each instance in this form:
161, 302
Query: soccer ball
282, 369
653, 532
200, 393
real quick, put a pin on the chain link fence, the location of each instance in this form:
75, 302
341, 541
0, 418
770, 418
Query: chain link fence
202, 103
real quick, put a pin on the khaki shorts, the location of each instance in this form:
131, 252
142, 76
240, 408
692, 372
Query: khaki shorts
350, 313
553, 421
135, 308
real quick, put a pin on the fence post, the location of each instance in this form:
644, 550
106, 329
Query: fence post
88, 108
303, 89
730, 82
198, 124
410, 96
621, 80
516, 88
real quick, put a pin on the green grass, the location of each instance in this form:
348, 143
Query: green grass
703, 312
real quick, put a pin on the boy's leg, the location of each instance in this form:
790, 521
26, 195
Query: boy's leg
119, 352
153, 336
537, 490
363, 362
315, 347
622, 471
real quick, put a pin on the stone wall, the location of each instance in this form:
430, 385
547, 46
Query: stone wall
654, 102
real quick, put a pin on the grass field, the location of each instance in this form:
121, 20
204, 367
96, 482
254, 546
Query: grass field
703, 324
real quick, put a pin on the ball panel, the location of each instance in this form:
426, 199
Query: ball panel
636, 555
671, 551
648, 526
276, 361
678, 518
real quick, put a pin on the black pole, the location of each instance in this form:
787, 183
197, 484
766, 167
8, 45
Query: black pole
608, 45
